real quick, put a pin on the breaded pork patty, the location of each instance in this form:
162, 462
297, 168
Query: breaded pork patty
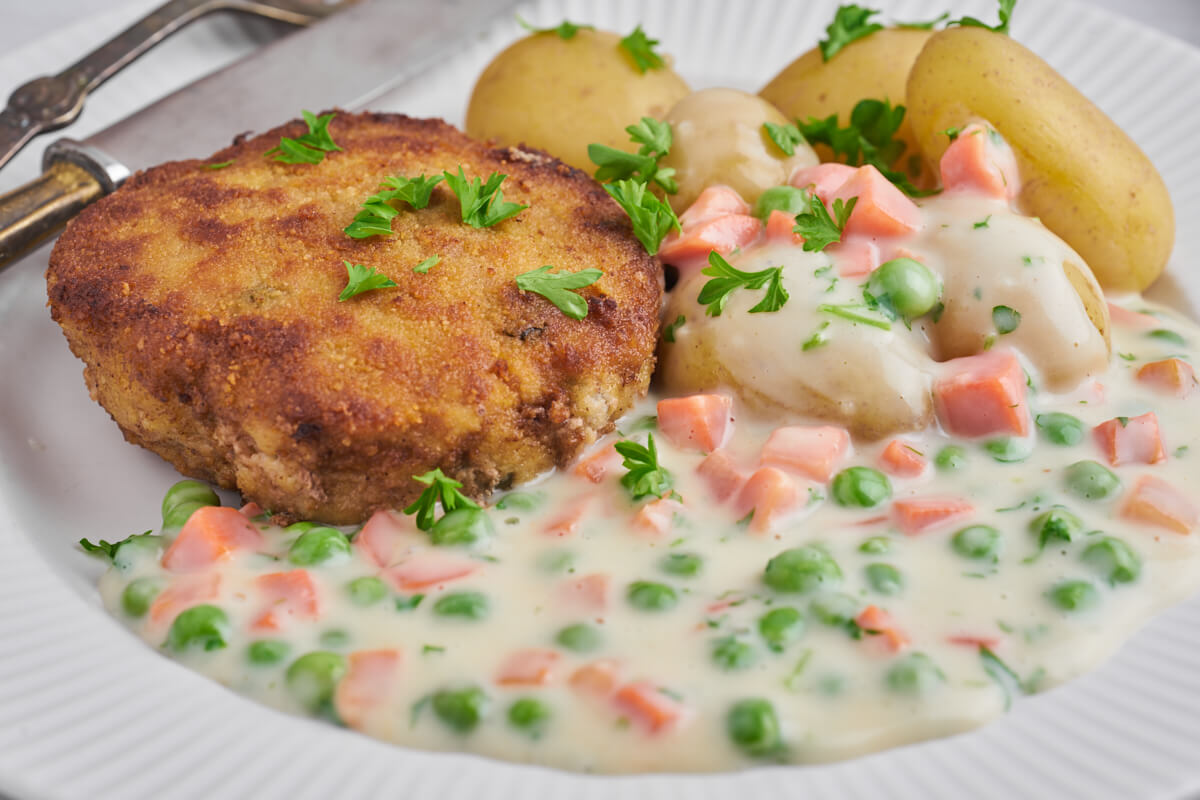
204, 304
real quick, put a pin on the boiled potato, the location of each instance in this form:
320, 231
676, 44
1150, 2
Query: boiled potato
719, 138
561, 95
874, 67
1080, 173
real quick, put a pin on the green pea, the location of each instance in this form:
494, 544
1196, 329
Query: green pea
884, 578
1113, 559
1091, 481
520, 501
876, 545
685, 565
802, 569
202, 626
1074, 595
471, 605
780, 627
1008, 449
580, 637
788, 199
835, 610
462, 526
1055, 524
366, 591
335, 639
134, 550
1059, 428
650, 596
730, 654
139, 594
914, 674
319, 545
183, 498
977, 541
909, 286
313, 677
861, 487
529, 715
1166, 335
753, 726
461, 709
265, 652
950, 458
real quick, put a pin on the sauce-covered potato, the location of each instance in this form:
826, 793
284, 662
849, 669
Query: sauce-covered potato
719, 139
1080, 173
562, 95
874, 67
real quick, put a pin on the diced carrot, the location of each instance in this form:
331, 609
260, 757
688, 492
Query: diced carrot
599, 678
381, 535
533, 667
697, 422
720, 234
771, 494
653, 710
825, 179
875, 620
1172, 375
183, 593
1131, 440
881, 209
1156, 502
982, 395
914, 515
780, 228
1119, 315
855, 256
812, 450
975, 162
211, 534
589, 593
425, 570
722, 476
900, 459
728, 601
596, 465
969, 640
286, 594
366, 686
715, 201
251, 510
656, 518
566, 523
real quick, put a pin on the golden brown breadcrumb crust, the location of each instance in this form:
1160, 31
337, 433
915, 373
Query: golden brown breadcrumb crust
204, 304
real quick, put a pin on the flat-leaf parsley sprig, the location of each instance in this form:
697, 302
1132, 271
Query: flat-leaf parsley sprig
375, 218
556, 287
850, 23
818, 228
641, 49
482, 203
361, 279
652, 218
309, 148
726, 279
442, 490
644, 476
565, 30
868, 138
655, 138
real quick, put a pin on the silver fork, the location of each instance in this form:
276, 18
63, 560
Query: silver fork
54, 101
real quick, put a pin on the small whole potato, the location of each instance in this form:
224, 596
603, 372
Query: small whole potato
719, 138
1080, 173
875, 67
561, 95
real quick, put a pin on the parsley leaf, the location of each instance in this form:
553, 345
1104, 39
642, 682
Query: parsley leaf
377, 212
645, 478
924, 26
565, 30
442, 489
669, 330
652, 218
361, 279
655, 139
424, 266
109, 549
220, 164
726, 279
1006, 9
556, 286
785, 137
867, 139
817, 227
482, 204
850, 23
856, 312
641, 50
309, 148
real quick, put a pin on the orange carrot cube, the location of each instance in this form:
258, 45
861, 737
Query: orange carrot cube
815, 451
983, 395
1131, 440
698, 422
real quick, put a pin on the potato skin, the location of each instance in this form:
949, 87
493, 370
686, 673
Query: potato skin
875, 67
561, 95
1081, 174
719, 138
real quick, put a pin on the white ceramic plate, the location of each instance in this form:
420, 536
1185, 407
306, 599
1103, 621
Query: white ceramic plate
87, 711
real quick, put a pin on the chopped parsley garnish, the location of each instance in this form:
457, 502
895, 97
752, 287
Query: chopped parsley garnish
220, 164
817, 339
952, 133
644, 478
377, 213
850, 23
654, 138
924, 26
361, 279
442, 489
867, 139
817, 227
785, 137
1128, 356
1005, 319
1167, 335
641, 49
556, 287
109, 549
669, 330
1006, 9
983, 223
482, 204
856, 312
565, 30
309, 148
726, 279
424, 266
652, 218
